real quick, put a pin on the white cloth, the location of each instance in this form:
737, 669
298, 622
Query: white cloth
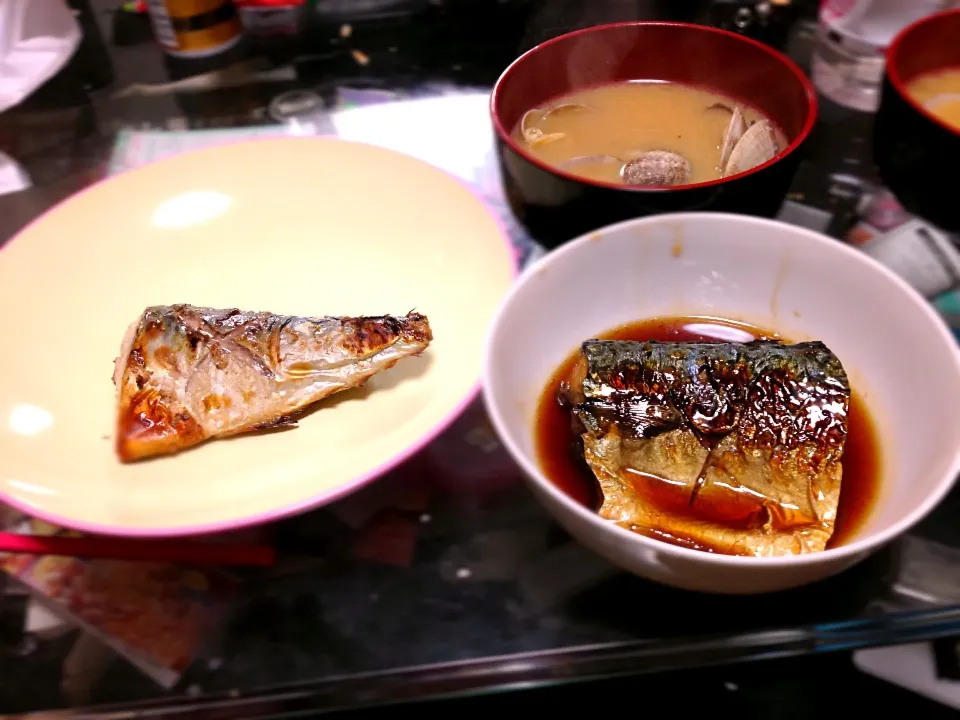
12, 176
37, 38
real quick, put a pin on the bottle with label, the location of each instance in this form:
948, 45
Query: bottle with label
197, 35
853, 35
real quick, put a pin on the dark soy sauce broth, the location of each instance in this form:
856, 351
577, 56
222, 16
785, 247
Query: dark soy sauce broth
566, 468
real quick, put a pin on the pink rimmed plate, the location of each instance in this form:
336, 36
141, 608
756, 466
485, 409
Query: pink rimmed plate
310, 226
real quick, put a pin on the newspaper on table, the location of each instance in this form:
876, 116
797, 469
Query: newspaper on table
156, 615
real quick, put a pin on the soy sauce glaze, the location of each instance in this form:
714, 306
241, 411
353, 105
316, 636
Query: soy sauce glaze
562, 462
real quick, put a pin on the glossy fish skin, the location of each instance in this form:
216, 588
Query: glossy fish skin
187, 374
728, 447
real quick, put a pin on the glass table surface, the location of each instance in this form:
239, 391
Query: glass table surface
445, 577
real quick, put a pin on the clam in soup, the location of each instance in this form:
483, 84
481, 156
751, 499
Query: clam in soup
649, 134
939, 93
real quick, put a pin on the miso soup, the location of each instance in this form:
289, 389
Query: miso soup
939, 93
649, 134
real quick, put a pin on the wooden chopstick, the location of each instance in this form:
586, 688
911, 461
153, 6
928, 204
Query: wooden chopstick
181, 552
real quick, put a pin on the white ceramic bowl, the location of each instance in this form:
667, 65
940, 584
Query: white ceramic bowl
897, 352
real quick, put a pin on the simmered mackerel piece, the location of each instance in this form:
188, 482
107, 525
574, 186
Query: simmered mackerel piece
729, 447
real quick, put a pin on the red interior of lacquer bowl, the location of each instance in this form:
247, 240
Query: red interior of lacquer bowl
735, 66
932, 43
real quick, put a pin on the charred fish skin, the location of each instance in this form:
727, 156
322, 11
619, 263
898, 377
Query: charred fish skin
715, 389
760, 419
187, 374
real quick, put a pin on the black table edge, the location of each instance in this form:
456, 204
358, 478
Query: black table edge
535, 669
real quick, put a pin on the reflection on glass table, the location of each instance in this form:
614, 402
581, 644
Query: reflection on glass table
446, 576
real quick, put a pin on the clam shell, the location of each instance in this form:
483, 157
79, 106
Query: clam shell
941, 99
528, 125
564, 108
758, 145
657, 168
542, 139
590, 160
735, 130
